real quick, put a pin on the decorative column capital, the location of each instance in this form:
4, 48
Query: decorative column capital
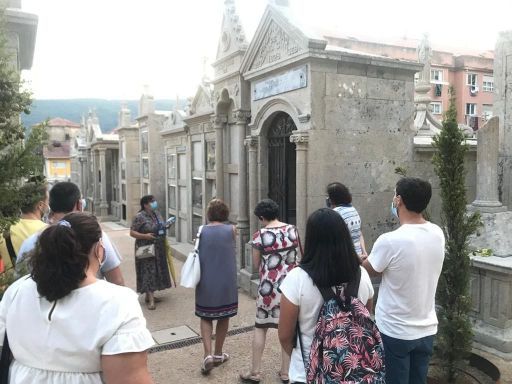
218, 121
251, 142
300, 139
241, 116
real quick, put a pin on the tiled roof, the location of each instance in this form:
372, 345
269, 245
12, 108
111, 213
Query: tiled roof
60, 122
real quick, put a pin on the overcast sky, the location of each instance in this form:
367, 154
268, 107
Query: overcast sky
112, 48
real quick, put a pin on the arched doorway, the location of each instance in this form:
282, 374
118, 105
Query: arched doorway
282, 166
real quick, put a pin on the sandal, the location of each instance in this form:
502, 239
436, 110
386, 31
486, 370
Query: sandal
150, 306
250, 377
219, 359
207, 365
283, 377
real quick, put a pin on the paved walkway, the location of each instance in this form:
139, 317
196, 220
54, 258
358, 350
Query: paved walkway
176, 310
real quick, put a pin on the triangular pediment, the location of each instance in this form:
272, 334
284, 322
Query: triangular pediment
275, 40
232, 36
202, 102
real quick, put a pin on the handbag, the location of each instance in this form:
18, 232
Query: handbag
191, 270
145, 252
5, 361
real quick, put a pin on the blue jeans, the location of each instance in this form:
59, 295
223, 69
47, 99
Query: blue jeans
407, 360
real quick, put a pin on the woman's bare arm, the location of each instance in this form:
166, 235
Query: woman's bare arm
126, 368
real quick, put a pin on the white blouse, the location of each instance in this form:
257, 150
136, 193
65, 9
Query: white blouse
62, 341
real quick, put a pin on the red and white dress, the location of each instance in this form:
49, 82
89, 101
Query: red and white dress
279, 249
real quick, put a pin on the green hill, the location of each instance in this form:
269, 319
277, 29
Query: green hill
73, 109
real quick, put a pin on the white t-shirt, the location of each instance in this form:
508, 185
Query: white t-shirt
300, 290
65, 344
112, 256
410, 260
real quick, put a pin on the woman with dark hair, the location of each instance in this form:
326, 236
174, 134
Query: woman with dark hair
329, 261
66, 326
275, 253
217, 291
148, 227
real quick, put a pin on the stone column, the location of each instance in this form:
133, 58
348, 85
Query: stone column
252, 143
301, 139
219, 123
241, 119
94, 181
487, 168
502, 107
103, 191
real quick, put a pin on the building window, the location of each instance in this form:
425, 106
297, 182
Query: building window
59, 165
438, 90
182, 167
144, 145
145, 168
123, 192
436, 108
171, 191
197, 156
486, 111
210, 155
197, 193
470, 109
145, 189
488, 84
471, 79
171, 166
436, 75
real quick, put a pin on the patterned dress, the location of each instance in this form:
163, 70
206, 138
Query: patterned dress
279, 249
152, 273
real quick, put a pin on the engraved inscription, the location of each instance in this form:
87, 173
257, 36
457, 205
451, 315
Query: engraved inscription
276, 45
285, 82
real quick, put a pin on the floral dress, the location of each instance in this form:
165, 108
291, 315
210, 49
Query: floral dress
279, 254
152, 273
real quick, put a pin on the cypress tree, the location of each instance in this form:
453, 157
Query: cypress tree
455, 333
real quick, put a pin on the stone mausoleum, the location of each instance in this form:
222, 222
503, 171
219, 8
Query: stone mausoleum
285, 114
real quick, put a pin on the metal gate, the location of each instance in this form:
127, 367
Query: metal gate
282, 167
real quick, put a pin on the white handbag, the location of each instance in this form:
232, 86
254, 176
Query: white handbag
191, 270
145, 252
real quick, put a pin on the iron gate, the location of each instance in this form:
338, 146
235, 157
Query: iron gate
282, 167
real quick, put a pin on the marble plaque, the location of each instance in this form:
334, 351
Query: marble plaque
288, 81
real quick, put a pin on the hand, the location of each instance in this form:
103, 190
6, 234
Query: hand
149, 236
363, 257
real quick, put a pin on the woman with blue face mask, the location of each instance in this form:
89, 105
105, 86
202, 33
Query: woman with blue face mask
152, 270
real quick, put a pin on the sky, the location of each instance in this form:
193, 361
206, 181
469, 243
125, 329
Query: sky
113, 48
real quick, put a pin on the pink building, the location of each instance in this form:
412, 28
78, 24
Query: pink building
470, 74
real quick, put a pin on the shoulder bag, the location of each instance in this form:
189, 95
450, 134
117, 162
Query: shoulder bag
191, 270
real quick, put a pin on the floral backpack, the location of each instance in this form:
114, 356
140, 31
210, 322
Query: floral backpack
347, 346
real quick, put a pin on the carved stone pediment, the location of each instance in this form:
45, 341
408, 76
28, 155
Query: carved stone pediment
202, 102
276, 45
232, 36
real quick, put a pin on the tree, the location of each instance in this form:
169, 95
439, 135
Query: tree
455, 333
20, 156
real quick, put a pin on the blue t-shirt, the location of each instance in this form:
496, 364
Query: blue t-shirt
112, 257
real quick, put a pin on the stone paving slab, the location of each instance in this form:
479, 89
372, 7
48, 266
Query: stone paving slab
171, 335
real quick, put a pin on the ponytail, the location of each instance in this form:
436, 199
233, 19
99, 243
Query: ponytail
61, 257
